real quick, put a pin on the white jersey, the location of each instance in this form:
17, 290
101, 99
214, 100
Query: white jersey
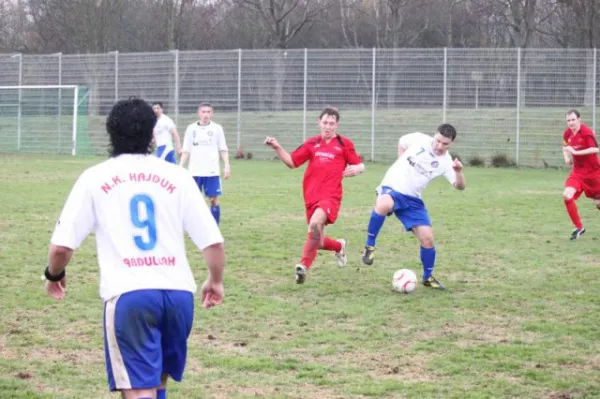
417, 166
138, 207
204, 144
162, 131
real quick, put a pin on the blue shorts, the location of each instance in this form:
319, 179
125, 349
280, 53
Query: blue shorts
209, 185
145, 335
408, 209
168, 156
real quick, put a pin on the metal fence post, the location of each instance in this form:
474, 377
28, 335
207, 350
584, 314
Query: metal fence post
176, 94
59, 98
116, 75
304, 95
445, 95
594, 94
239, 100
19, 111
373, 106
518, 113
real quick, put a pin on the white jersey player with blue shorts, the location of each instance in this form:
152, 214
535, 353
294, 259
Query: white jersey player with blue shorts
138, 207
422, 158
164, 131
203, 145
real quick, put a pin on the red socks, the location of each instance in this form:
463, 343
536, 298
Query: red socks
311, 246
573, 213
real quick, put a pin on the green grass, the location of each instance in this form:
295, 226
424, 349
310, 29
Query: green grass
520, 318
481, 132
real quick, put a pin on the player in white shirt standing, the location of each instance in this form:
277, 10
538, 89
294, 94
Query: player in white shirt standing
421, 158
138, 206
165, 133
203, 142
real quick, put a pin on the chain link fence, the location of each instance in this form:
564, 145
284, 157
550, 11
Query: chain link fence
503, 102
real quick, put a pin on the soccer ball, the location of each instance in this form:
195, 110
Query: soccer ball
404, 281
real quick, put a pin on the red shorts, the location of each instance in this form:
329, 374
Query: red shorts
588, 184
330, 206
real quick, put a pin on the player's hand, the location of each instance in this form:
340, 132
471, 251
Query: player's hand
212, 294
568, 162
56, 289
226, 172
351, 170
272, 142
569, 150
457, 165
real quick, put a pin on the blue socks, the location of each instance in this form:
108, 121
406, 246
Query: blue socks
161, 393
375, 225
216, 212
428, 260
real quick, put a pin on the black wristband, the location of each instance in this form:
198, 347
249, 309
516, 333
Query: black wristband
52, 278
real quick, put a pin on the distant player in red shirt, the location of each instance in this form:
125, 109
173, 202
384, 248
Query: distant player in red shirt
580, 149
330, 157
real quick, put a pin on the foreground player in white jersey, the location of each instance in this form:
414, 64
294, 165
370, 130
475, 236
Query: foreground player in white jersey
165, 133
204, 140
422, 158
138, 207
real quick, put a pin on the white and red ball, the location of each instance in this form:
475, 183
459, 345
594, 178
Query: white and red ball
404, 281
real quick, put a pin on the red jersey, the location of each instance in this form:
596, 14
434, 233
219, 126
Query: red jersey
327, 161
583, 139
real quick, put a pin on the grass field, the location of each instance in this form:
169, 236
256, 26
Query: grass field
482, 132
520, 318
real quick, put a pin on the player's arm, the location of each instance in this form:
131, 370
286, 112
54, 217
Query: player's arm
75, 223
185, 151
285, 156
204, 232
456, 175
355, 164
224, 151
176, 139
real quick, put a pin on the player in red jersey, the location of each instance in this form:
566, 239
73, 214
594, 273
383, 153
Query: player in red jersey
330, 157
580, 149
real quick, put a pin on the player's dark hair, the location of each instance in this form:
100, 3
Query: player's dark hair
330, 111
160, 104
573, 111
130, 126
205, 104
447, 130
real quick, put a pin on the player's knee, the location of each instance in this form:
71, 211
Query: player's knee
214, 201
568, 194
427, 241
597, 202
384, 204
315, 227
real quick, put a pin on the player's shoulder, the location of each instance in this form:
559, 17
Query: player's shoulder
192, 126
347, 142
586, 130
312, 141
416, 137
216, 125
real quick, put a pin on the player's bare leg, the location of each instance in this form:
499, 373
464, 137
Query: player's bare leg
425, 236
314, 241
138, 393
569, 198
383, 205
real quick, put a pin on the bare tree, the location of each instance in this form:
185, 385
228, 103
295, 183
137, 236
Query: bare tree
283, 20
